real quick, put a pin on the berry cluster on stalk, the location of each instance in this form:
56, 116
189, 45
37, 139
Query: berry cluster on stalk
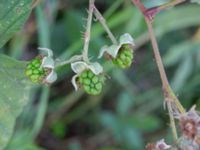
34, 71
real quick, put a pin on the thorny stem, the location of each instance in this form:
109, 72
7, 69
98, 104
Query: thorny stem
157, 54
105, 26
87, 32
170, 97
166, 87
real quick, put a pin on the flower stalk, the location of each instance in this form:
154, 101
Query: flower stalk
88, 30
101, 19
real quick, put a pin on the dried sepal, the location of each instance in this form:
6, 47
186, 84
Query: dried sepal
41, 68
126, 39
187, 144
51, 77
74, 81
88, 76
48, 62
80, 66
189, 123
160, 145
113, 50
47, 52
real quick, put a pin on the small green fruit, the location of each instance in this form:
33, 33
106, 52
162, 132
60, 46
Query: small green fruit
124, 57
90, 82
34, 72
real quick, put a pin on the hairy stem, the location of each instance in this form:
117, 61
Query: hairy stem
166, 87
170, 97
168, 93
87, 32
104, 24
157, 54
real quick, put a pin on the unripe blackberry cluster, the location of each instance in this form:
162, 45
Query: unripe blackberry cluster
34, 71
90, 82
124, 57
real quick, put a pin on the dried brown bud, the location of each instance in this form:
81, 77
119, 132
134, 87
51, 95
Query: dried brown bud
151, 146
189, 123
197, 139
160, 145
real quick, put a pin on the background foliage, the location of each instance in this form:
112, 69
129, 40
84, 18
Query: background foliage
129, 112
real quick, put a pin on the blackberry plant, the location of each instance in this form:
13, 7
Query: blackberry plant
88, 75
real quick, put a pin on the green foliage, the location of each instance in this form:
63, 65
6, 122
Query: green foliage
13, 95
22, 141
13, 90
58, 128
128, 112
13, 14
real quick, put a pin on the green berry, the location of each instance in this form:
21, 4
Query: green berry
98, 86
124, 57
34, 72
95, 79
91, 83
90, 74
86, 87
28, 72
86, 81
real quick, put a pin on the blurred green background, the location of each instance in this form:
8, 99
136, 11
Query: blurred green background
129, 112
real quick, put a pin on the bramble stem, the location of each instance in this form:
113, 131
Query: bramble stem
101, 19
168, 93
157, 54
139, 4
170, 97
166, 87
88, 30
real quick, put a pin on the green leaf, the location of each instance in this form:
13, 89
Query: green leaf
145, 123
182, 73
13, 14
13, 95
195, 1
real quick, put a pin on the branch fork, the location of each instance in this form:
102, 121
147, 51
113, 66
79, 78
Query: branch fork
150, 13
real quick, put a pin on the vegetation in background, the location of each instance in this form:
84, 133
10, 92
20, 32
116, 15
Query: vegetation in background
128, 113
